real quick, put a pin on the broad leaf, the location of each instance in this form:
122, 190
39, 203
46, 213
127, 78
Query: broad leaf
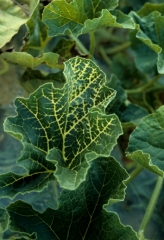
26, 60
62, 17
146, 144
12, 16
4, 220
68, 126
81, 213
149, 31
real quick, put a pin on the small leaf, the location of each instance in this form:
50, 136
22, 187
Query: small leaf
81, 213
26, 60
62, 17
68, 125
4, 220
12, 16
146, 143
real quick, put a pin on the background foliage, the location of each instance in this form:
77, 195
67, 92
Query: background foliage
88, 77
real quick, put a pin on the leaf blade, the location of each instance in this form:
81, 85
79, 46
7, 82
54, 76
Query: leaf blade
11, 18
146, 143
80, 211
68, 125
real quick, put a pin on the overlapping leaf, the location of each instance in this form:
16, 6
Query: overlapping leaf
68, 126
39, 173
146, 145
81, 213
12, 16
4, 220
62, 17
150, 31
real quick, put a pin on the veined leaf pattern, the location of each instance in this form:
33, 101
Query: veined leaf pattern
68, 125
62, 17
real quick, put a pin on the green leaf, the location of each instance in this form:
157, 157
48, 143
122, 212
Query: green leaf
12, 16
62, 17
39, 173
150, 31
145, 57
36, 39
124, 68
68, 125
146, 143
126, 111
4, 220
148, 8
137, 4
64, 47
32, 79
26, 60
81, 213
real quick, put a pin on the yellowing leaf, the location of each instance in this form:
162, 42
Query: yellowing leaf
26, 60
12, 16
68, 125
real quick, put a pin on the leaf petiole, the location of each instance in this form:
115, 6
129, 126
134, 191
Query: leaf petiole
150, 208
134, 173
118, 48
92, 44
80, 45
143, 87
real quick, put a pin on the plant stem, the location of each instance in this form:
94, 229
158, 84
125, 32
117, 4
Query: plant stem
134, 173
127, 124
92, 44
150, 207
80, 45
118, 48
143, 87
146, 103
104, 55
5, 67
